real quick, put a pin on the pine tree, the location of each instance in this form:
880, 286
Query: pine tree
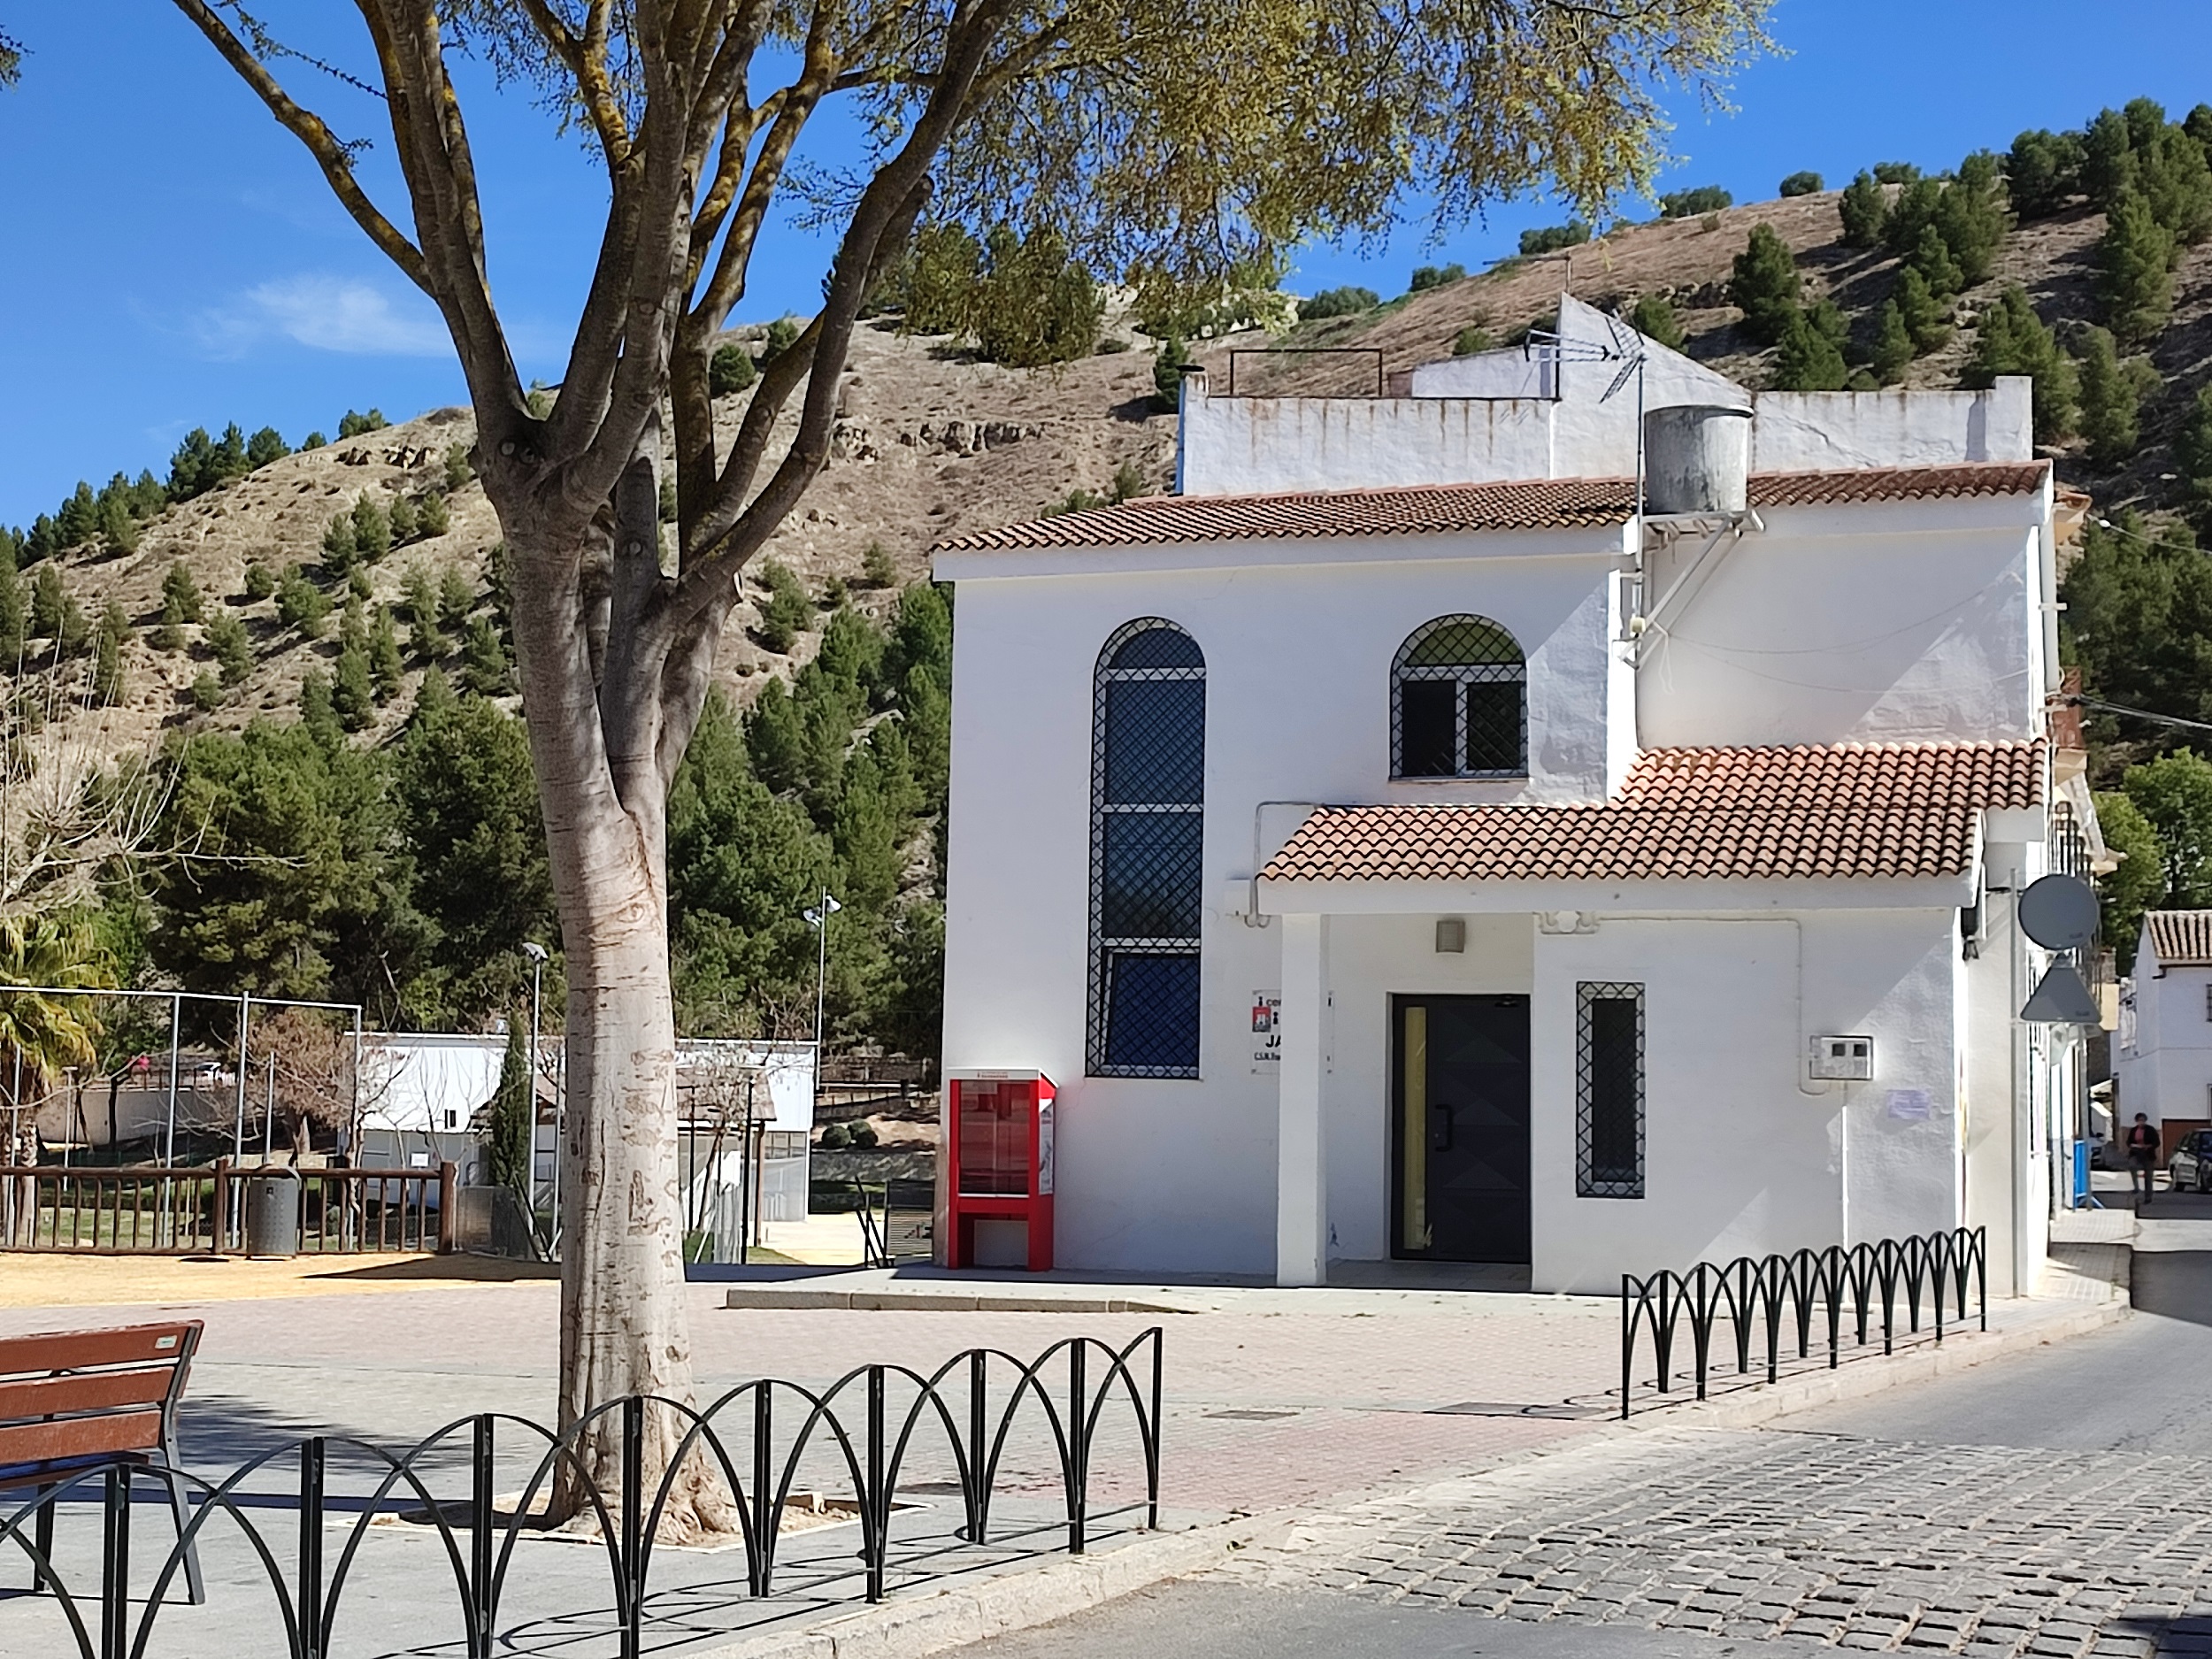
457, 598
1810, 359
1862, 207
2013, 339
730, 370
507, 1126
339, 550
179, 589
78, 519
372, 530
206, 692
2192, 457
2172, 175
260, 581
1654, 319
434, 519
42, 543
485, 670
1925, 314
1893, 348
47, 601
2111, 398
11, 617
1931, 257
232, 646
2107, 160
387, 670
351, 425
405, 524
435, 695
107, 663
1911, 214
458, 468
117, 528
318, 714
300, 604
169, 632
1970, 217
2043, 173
878, 569
352, 693
1765, 285
2135, 270
75, 633
266, 445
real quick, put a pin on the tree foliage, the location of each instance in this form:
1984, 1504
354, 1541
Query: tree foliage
1862, 207
1804, 183
2112, 393
2135, 260
1765, 285
2013, 339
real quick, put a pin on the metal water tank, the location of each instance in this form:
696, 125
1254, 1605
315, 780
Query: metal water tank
1697, 458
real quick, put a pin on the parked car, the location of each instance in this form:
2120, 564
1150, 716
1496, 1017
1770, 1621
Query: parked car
2190, 1167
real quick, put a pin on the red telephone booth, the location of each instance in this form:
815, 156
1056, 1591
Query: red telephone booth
1001, 1160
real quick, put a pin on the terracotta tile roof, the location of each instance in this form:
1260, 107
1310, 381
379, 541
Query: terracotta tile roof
2183, 939
1555, 503
1902, 809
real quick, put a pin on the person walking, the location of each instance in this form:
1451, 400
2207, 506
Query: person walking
2142, 1148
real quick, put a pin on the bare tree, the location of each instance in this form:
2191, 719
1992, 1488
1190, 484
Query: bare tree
1176, 140
313, 1074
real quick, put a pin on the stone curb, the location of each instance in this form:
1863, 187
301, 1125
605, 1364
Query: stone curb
1762, 1402
961, 1302
972, 1613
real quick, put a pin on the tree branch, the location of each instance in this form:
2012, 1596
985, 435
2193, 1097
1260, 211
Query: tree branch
331, 153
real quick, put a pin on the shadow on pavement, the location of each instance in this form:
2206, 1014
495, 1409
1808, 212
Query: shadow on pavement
2173, 1285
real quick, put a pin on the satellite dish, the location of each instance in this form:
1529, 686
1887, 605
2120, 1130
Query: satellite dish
2059, 913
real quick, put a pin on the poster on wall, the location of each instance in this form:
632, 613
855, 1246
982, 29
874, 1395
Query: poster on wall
1910, 1105
1267, 1032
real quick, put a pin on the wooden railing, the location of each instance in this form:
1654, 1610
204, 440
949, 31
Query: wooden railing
147, 1210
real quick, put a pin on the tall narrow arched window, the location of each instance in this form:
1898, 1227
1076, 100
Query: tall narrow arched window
1459, 702
1148, 821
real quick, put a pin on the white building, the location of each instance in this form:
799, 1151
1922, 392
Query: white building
1391, 851
2163, 1053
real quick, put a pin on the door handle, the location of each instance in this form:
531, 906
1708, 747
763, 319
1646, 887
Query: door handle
1439, 1127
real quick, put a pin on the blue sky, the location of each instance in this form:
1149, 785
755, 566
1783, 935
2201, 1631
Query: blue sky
175, 260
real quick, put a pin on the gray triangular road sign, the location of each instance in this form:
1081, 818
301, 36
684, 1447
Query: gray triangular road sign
2061, 999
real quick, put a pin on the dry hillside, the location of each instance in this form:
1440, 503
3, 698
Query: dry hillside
932, 442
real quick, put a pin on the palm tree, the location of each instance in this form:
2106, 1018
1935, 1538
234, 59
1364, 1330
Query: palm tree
46, 1033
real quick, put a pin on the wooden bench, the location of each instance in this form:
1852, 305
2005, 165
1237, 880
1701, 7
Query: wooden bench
72, 1400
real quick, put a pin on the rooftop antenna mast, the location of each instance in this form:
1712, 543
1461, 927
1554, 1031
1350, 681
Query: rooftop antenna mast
1626, 348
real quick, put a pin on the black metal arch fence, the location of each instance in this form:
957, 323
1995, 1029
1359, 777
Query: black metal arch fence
755, 1439
1845, 1285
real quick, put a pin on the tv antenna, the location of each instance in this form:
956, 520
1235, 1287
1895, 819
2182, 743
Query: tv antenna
1625, 347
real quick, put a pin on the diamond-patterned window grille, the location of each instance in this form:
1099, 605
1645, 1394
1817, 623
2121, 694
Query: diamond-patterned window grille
1148, 823
1609, 1091
1459, 702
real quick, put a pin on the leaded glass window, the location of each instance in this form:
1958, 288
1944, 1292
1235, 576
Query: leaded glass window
1609, 1091
1148, 823
1459, 702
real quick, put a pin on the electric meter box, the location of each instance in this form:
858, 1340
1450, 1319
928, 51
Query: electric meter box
999, 1167
1844, 1059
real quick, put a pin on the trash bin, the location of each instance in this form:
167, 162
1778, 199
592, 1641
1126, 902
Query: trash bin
273, 1212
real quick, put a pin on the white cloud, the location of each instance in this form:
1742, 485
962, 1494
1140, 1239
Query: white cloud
325, 313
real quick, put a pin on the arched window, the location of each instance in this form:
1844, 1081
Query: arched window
1459, 702
1148, 820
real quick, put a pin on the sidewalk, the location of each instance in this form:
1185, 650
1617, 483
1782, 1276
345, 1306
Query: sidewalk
1276, 1402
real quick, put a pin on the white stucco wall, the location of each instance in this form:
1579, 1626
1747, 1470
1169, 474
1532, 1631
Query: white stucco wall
1828, 431
1255, 445
2166, 1072
1904, 622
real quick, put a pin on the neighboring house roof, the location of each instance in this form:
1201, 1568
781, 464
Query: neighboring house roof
1556, 504
1903, 809
2183, 939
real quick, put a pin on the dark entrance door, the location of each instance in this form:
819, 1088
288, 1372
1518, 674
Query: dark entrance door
1460, 1080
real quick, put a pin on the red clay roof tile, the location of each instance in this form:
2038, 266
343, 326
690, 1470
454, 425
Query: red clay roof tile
1846, 811
1556, 504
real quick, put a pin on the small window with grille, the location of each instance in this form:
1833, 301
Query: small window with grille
1147, 822
2207, 1001
1459, 702
1609, 1091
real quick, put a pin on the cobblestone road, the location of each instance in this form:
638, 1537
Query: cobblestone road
1862, 1544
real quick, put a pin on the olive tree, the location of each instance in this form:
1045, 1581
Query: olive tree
1173, 142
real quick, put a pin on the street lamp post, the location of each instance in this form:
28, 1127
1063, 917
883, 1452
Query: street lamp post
818, 917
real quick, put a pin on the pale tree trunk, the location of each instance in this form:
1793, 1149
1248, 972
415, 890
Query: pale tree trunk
602, 743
